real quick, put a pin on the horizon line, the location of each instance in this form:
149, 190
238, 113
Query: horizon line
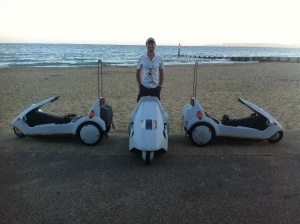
202, 45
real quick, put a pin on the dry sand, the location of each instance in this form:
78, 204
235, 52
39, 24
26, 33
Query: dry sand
272, 86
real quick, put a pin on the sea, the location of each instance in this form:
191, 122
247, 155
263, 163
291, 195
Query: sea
70, 55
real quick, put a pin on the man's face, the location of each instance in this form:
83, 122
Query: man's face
150, 46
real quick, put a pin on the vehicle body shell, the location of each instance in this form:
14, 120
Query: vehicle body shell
33, 122
259, 126
148, 127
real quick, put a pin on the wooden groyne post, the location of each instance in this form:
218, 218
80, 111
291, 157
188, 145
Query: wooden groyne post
246, 59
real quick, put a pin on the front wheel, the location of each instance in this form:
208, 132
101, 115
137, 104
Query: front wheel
18, 132
201, 134
276, 137
90, 133
147, 156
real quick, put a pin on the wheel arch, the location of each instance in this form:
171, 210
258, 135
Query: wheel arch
83, 120
207, 120
88, 122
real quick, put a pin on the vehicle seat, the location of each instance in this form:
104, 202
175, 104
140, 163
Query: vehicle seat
36, 117
258, 122
225, 119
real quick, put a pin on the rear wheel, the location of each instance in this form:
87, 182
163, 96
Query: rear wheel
90, 133
201, 134
18, 132
276, 137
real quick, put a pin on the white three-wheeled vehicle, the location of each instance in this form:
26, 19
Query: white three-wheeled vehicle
148, 128
90, 128
202, 129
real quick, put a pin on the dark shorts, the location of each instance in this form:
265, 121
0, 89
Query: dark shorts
148, 92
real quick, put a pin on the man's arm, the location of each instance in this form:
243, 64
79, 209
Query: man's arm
161, 77
138, 77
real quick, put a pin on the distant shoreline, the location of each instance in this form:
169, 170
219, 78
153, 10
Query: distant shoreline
259, 45
275, 45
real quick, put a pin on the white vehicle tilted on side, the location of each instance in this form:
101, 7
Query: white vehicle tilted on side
202, 129
148, 128
90, 128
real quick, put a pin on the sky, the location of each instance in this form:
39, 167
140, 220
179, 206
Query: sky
170, 22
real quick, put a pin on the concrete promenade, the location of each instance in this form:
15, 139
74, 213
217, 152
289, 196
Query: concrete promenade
226, 182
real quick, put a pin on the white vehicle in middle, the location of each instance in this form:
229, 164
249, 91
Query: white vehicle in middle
148, 128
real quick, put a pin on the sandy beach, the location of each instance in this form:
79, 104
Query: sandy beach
272, 86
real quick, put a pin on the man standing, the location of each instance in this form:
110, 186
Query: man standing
150, 84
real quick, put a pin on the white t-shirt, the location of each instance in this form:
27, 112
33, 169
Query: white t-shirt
150, 70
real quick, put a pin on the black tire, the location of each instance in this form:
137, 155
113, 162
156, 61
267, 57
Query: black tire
147, 157
18, 132
99, 134
206, 140
276, 137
